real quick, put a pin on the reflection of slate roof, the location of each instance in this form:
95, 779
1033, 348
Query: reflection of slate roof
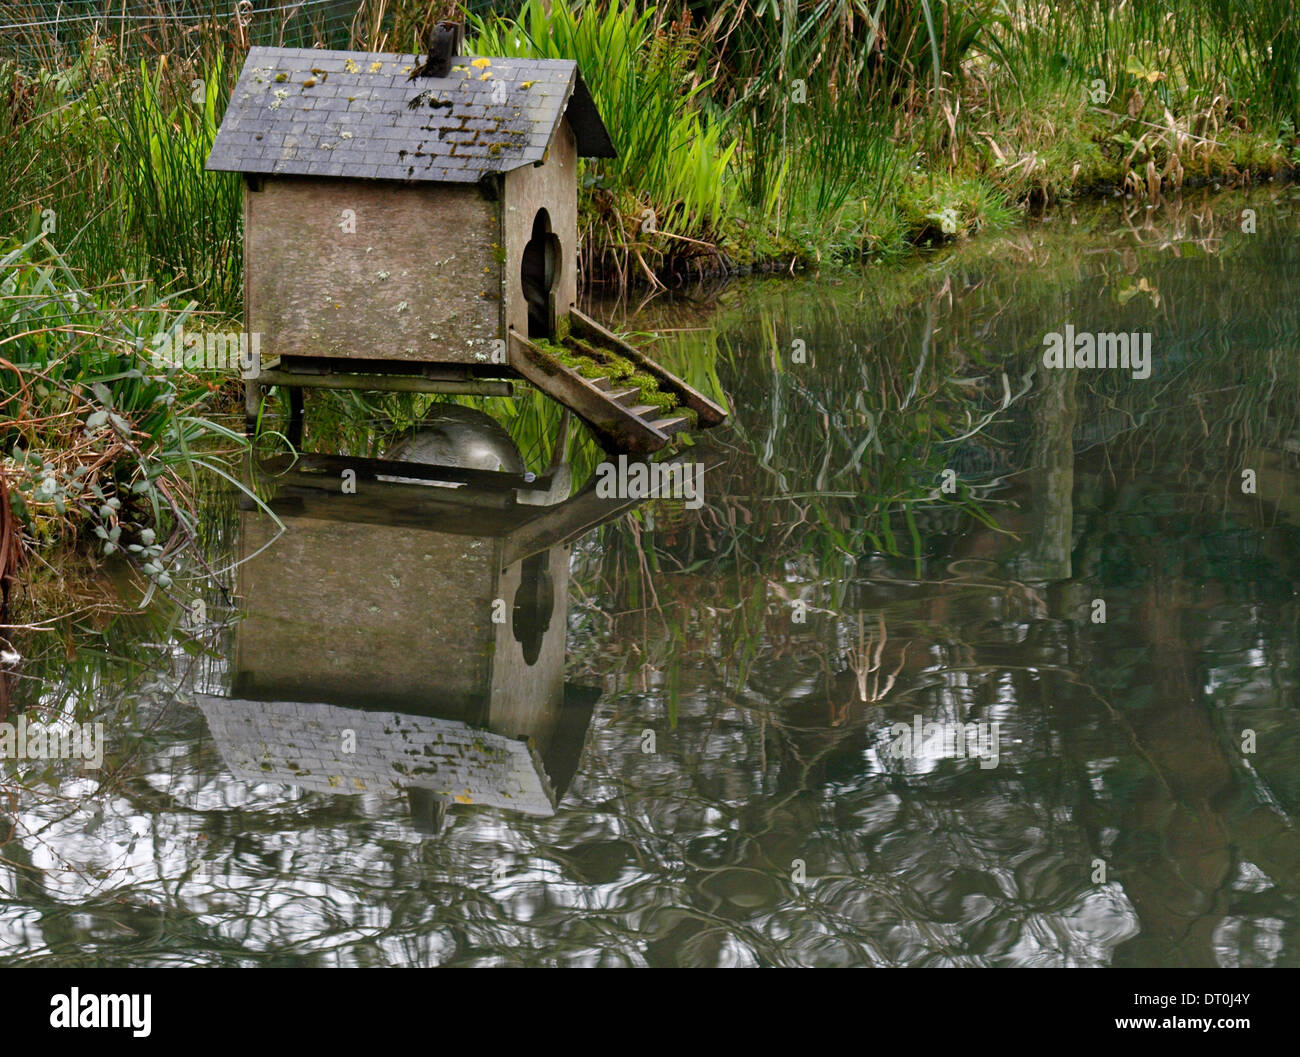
302, 745
348, 114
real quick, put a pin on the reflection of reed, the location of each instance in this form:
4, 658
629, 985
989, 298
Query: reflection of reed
8, 677
11, 543
866, 665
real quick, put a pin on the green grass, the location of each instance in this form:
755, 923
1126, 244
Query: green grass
748, 133
95, 440
1132, 95
669, 174
110, 155
187, 220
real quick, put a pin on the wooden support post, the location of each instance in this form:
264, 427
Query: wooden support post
252, 405
295, 417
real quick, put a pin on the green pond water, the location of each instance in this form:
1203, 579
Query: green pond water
723, 731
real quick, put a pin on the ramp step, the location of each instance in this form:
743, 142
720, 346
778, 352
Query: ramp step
674, 424
626, 397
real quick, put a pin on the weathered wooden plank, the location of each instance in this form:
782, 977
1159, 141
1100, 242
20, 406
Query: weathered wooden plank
672, 424
626, 397
526, 530
407, 273
369, 469
388, 383
466, 510
318, 495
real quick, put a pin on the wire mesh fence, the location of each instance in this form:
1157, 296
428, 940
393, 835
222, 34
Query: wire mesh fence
35, 31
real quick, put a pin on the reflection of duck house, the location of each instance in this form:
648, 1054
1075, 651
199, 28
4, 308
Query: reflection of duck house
421, 235
432, 629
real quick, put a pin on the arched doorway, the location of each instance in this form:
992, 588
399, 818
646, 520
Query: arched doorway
538, 273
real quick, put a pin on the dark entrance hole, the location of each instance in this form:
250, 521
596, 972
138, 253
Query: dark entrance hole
538, 273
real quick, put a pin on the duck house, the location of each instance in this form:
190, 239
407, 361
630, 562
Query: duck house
407, 231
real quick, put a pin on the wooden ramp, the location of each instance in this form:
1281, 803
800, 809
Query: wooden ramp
613, 409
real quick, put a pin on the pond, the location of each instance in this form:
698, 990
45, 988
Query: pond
959, 657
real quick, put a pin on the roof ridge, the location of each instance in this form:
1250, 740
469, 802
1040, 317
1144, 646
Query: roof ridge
401, 54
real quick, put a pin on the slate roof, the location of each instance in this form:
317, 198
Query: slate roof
350, 114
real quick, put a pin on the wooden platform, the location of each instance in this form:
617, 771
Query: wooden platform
612, 411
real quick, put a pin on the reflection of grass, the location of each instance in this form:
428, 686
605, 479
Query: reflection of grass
866, 662
87, 626
851, 448
829, 460
840, 454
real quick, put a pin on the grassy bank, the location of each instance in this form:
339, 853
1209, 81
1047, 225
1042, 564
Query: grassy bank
750, 133
95, 443
760, 133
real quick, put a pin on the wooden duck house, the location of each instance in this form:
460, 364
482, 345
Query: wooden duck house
419, 233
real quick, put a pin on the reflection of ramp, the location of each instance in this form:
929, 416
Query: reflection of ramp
302, 745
